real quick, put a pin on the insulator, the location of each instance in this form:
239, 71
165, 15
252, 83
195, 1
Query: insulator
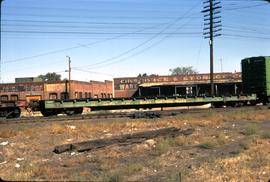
218, 30
216, 22
216, 7
216, 3
217, 25
205, 7
216, 12
217, 35
216, 17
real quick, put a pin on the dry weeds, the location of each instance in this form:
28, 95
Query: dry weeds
35, 143
7, 133
249, 165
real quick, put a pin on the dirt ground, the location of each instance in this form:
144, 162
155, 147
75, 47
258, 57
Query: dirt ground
225, 146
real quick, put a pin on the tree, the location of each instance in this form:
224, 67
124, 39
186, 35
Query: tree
146, 75
183, 71
50, 77
142, 75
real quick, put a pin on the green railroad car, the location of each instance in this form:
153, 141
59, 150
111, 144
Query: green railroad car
256, 89
70, 107
256, 77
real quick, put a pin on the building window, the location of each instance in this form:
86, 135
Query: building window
86, 95
80, 95
64, 95
109, 95
53, 96
4, 97
76, 95
14, 97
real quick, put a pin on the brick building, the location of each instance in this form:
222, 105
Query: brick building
173, 85
33, 89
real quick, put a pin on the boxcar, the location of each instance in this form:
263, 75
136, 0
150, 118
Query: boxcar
256, 77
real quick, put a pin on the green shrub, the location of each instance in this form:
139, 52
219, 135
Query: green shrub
208, 144
116, 177
266, 135
251, 129
163, 146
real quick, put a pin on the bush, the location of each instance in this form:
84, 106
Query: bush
251, 129
266, 135
116, 177
208, 144
162, 146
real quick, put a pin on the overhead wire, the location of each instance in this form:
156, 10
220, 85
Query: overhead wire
71, 48
108, 61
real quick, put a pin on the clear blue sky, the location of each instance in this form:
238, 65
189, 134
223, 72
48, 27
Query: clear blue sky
119, 38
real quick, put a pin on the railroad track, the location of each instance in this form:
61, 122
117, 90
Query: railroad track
134, 115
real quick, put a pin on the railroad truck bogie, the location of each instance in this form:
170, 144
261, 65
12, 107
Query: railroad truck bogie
74, 111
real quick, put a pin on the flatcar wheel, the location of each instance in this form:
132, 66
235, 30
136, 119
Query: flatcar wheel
12, 112
49, 112
217, 105
79, 110
3, 113
16, 112
231, 104
74, 111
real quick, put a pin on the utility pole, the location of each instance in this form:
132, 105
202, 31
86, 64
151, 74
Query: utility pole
212, 28
69, 76
1, 40
221, 66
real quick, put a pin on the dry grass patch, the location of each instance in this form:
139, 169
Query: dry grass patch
114, 177
117, 127
221, 139
249, 165
266, 134
251, 129
164, 144
57, 129
208, 143
29, 173
7, 133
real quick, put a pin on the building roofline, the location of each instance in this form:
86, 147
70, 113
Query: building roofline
178, 75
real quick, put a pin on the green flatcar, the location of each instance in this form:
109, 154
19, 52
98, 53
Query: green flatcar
256, 89
256, 77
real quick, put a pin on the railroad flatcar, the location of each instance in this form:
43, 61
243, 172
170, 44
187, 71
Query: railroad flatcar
256, 89
256, 84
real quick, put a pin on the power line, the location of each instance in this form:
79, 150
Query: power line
246, 36
244, 7
74, 47
95, 33
100, 73
141, 44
